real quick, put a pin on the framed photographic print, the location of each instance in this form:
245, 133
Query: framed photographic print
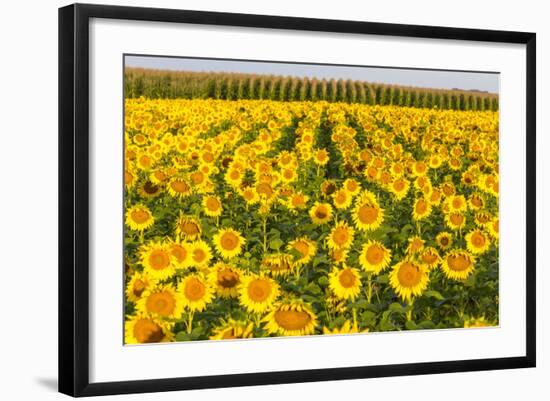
275, 199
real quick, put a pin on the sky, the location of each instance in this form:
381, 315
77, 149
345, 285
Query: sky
467, 80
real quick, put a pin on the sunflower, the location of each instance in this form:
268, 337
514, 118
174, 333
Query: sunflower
149, 190
196, 292
328, 187
137, 285
161, 301
200, 253
139, 217
257, 293
458, 264
279, 264
342, 199
178, 187
456, 203
250, 195
157, 260
367, 215
320, 213
305, 249
232, 330
416, 244
345, 283
143, 329
399, 187
212, 206
476, 201
228, 243
293, 318
444, 240
474, 322
455, 220
477, 242
180, 252
188, 227
374, 257
341, 236
352, 186
320, 157
408, 279
493, 228
346, 328
227, 279
234, 177
422, 208
297, 201
338, 255
430, 257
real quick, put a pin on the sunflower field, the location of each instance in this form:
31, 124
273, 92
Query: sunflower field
263, 218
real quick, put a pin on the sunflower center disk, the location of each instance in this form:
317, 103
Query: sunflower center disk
291, 319
409, 275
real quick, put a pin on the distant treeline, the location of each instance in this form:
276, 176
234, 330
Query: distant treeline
231, 86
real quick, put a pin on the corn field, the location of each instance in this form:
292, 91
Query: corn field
158, 84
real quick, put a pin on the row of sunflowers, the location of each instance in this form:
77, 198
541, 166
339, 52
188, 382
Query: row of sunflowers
259, 218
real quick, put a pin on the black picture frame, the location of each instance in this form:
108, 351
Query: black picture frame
74, 194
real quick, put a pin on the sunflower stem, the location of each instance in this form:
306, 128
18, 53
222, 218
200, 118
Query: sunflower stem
410, 310
265, 233
354, 312
190, 322
369, 289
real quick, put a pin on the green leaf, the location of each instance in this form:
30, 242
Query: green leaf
183, 336
426, 324
323, 280
319, 259
410, 325
313, 288
396, 308
275, 244
434, 294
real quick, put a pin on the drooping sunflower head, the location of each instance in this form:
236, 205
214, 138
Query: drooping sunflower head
228, 243
196, 292
257, 293
149, 189
291, 318
178, 187
144, 329
212, 206
430, 257
478, 242
455, 220
139, 217
408, 279
458, 264
161, 301
280, 264
320, 213
345, 283
304, 248
232, 330
138, 284
226, 278
374, 257
188, 227
341, 236
328, 187
157, 260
